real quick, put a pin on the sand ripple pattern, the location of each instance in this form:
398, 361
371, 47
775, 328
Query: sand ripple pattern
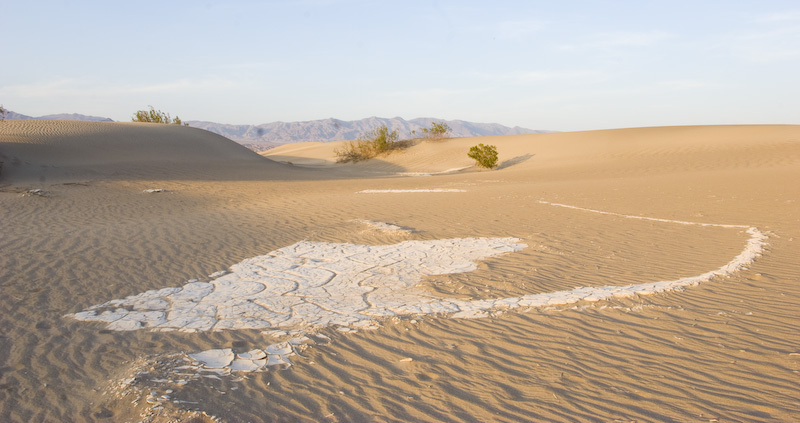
313, 285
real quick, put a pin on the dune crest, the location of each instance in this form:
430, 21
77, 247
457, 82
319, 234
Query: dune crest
33, 149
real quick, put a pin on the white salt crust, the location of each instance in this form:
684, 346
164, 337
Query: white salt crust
385, 227
310, 285
304, 286
443, 172
395, 191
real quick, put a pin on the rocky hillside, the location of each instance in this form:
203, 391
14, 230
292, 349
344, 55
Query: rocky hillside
268, 135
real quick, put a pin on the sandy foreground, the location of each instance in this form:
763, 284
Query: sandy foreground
79, 230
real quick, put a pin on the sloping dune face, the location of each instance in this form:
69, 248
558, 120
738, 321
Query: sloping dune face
53, 148
645, 274
664, 149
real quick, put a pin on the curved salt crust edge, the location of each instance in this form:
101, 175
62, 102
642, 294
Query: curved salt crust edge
654, 219
385, 227
395, 191
443, 172
226, 361
753, 249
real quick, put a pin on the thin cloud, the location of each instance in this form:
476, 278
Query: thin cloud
57, 87
433, 94
772, 45
513, 30
76, 87
684, 84
509, 30
784, 16
536, 77
769, 38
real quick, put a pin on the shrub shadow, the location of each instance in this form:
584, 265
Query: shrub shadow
515, 161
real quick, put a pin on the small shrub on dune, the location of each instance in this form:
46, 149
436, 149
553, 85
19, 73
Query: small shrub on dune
381, 139
369, 145
3, 113
484, 155
156, 116
437, 131
353, 151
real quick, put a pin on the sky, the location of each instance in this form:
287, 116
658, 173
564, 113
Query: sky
551, 65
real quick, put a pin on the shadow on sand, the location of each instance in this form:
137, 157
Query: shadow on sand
515, 161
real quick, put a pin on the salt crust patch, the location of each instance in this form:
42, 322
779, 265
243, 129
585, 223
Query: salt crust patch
395, 191
443, 172
385, 227
305, 286
299, 289
310, 285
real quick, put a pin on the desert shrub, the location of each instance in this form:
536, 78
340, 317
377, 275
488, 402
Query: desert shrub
380, 139
484, 155
438, 130
369, 145
3, 113
353, 151
156, 116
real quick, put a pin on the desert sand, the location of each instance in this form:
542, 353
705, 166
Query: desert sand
164, 273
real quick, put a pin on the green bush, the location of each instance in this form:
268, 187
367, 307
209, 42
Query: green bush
155, 116
484, 155
438, 130
369, 145
380, 139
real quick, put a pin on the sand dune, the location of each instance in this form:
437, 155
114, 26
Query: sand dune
653, 277
665, 148
58, 149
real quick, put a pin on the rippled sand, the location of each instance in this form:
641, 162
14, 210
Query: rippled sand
725, 349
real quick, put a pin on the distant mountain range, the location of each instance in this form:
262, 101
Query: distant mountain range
268, 135
61, 116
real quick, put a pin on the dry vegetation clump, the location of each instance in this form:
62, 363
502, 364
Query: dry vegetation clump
379, 141
156, 116
370, 144
437, 131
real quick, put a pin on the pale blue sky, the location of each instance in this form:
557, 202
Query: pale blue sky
558, 65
